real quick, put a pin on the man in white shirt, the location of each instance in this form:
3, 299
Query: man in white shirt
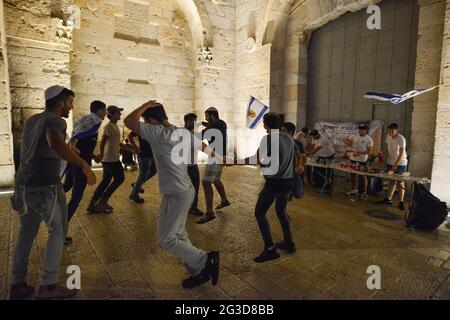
304, 137
397, 162
361, 145
323, 148
178, 193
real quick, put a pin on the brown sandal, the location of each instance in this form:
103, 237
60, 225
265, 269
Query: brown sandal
223, 205
206, 218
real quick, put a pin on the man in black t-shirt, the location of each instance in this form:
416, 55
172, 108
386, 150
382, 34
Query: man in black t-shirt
216, 134
147, 167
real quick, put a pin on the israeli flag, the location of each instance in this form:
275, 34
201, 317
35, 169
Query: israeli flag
396, 98
255, 112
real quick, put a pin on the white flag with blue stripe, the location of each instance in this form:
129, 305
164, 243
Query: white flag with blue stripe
396, 98
255, 111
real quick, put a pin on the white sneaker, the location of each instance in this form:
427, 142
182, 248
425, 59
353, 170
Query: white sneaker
364, 196
352, 192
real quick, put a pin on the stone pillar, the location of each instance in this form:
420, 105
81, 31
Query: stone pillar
441, 160
6, 141
295, 79
428, 66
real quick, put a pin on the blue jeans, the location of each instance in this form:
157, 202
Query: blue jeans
75, 180
34, 205
147, 169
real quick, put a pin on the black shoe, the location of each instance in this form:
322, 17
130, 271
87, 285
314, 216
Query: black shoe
210, 272
196, 212
384, 201
21, 291
212, 266
140, 191
136, 198
401, 206
286, 246
267, 255
195, 281
68, 240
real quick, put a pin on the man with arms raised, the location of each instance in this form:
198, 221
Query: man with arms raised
177, 190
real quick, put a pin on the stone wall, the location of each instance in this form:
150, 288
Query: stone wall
428, 68
441, 159
252, 72
6, 141
38, 44
127, 52
214, 83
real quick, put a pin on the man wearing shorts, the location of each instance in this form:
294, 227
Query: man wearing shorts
361, 147
216, 134
397, 162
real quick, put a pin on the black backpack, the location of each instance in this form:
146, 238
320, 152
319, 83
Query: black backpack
427, 212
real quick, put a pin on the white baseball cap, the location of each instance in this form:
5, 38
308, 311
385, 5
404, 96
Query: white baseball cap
53, 91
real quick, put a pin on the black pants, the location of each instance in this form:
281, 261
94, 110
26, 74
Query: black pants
111, 171
75, 180
274, 190
195, 179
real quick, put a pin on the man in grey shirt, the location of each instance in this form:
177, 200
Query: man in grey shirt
278, 174
39, 196
178, 193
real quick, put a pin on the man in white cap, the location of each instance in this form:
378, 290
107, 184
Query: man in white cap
177, 190
113, 175
39, 196
216, 134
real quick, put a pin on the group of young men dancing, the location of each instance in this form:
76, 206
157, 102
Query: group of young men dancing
39, 194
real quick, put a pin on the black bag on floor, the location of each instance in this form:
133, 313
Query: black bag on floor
427, 212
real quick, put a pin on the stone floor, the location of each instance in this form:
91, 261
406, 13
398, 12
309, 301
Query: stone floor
120, 259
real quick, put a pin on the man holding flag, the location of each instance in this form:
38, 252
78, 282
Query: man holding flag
84, 138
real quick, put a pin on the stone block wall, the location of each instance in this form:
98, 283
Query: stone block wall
6, 141
127, 52
428, 68
38, 44
441, 158
252, 72
214, 83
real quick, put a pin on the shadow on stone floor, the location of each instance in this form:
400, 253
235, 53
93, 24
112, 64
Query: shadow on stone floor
119, 256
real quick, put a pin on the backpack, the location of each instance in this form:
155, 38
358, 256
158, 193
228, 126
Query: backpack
427, 212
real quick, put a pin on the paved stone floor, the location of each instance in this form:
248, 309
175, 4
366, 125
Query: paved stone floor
120, 259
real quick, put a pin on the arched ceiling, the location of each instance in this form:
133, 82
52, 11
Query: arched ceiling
198, 20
